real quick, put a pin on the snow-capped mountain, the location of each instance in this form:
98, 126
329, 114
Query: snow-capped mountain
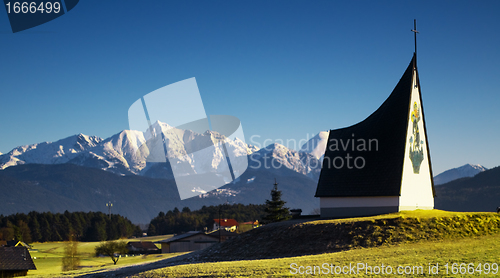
316, 145
467, 170
276, 156
57, 152
129, 152
163, 149
115, 154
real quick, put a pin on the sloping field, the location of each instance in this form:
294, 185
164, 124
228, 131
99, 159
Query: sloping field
411, 244
288, 239
473, 257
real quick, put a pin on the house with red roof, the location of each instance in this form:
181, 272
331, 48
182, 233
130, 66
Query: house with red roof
227, 224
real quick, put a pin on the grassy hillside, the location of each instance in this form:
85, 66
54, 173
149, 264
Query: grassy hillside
413, 258
405, 243
288, 239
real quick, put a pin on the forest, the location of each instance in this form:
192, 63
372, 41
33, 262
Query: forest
98, 226
176, 221
81, 226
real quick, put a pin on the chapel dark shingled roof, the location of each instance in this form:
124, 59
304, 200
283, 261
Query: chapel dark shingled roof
382, 173
15, 258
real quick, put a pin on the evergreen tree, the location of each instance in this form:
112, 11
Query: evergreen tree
77, 226
8, 232
66, 228
151, 230
275, 209
97, 229
45, 229
24, 231
36, 234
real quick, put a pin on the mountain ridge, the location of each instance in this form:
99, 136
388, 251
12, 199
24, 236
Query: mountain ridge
478, 193
60, 187
61, 182
467, 170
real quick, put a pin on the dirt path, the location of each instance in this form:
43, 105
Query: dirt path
130, 270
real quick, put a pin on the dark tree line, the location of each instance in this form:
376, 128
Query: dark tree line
81, 226
175, 221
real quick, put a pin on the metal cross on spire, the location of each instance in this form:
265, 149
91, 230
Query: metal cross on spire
415, 31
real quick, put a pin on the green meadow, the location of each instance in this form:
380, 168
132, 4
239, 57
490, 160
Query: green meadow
411, 244
48, 258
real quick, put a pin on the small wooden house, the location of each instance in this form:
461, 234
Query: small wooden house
15, 261
14, 243
190, 241
142, 247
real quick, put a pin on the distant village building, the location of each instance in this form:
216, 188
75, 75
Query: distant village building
254, 224
194, 240
295, 213
190, 241
382, 164
15, 261
227, 224
142, 247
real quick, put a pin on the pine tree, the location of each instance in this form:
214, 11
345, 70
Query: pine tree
275, 209
45, 229
151, 230
36, 234
24, 231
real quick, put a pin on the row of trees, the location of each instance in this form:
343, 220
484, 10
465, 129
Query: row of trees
176, 221
47, 226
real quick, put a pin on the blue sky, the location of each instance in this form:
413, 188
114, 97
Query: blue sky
286, 69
